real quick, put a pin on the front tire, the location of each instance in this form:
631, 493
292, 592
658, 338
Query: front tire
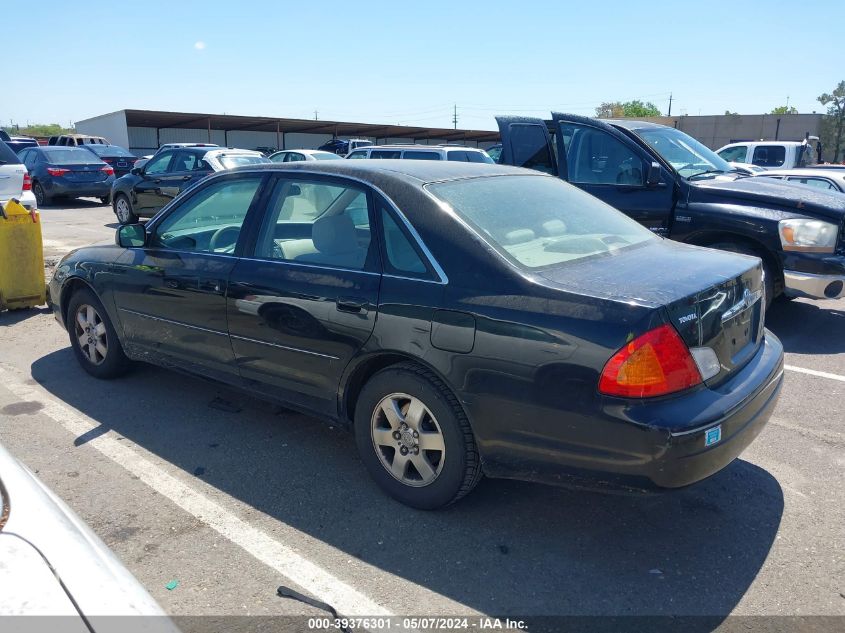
415, 439
123, 210
93, 338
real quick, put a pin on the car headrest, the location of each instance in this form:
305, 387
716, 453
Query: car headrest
334, 234
518, 236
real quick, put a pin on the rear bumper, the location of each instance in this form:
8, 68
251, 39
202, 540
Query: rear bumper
798, 284
94, 189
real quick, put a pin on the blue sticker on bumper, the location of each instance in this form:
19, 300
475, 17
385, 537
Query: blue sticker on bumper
711, 436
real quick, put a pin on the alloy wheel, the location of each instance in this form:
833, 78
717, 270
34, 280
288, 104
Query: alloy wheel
407, 439
38, 192
123, 210
91, 334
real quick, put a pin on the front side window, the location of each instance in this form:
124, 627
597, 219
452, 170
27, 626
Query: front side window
769, 155
596, 157
158, 164
184, 161
735, 154
537, 221
314, 222
209, 221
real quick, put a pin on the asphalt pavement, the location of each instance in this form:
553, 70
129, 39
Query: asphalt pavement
232, 497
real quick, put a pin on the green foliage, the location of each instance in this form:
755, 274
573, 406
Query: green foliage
785, 110
636, 108
38, 129
833, 124
729, 113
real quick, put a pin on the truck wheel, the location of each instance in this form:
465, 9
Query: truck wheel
768, 273
414, 438
93, 338
123, 210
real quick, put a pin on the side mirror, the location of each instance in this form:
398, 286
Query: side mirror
136, 171
653, 178
131, 236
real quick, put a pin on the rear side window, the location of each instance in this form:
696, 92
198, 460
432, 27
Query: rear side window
417, 155
402, 257
530, 148
385, 154
769, 155
7, 156
357, 155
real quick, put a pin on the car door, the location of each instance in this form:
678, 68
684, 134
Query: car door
171, 299
526, 142
303, 299
604, 162
148, 195
185, 170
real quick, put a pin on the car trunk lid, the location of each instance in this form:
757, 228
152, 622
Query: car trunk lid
85, 173
713, 298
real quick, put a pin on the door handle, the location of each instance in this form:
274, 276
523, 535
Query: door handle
354, 305
186, 177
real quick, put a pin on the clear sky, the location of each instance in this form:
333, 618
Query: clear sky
408, 63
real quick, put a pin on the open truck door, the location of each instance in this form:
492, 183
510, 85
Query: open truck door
526, 142
605, 162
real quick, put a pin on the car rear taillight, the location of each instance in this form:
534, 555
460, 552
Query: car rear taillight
108, 169
27, 181
57, 171
654, 364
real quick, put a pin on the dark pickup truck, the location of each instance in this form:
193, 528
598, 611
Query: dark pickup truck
680, 189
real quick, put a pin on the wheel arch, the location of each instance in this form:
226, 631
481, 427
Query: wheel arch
710, 238
68, 289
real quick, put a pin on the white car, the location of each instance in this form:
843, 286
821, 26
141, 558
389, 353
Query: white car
52, 564
295, 155
825, 179
457, 153
14, 179
772, 154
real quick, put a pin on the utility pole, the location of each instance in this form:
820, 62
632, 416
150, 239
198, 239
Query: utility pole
670, 105
455, 117
787, 104
315, 115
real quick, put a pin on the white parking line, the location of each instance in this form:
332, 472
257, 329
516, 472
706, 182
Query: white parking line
813, 372
310, 577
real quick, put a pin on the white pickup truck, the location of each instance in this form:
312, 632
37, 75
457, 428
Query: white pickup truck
772, 154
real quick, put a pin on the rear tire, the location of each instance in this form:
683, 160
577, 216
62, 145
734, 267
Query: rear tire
105, 199
768, 273
123, 210
93, 338
402, 410
41, 196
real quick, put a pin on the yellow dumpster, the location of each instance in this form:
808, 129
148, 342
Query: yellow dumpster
21, 258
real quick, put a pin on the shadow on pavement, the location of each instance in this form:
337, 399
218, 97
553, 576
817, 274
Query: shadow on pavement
11, 317
808, 327
509, 548
57, 204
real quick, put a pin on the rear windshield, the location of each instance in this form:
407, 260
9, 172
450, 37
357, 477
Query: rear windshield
69, 156
7, 156
536, 221
110, 150
237, 160
325, 156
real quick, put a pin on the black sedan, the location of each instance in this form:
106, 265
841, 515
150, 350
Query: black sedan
120, 159
68, 172
460, 318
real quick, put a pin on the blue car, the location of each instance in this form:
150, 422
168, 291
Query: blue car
70, 172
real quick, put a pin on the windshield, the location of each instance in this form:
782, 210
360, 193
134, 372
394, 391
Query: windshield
537, 221
109, 150
70, 156
231, 161
689, 157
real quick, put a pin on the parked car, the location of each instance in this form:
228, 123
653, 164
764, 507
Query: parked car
267, 151
772, 154
120, 159
17, 143
824, 179
146, 189
54, 565
678, 188
294, 155
424, 152
477, 318
178, 145
15, 181
74, 140
343, 147
746, 169
69, 172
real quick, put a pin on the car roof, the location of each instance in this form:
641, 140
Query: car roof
630, 124
417, 146
216, 151
421, 171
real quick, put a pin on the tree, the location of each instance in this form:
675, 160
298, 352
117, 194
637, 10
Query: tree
39, 129
835, 115
729, 113
636, 108
785, 110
